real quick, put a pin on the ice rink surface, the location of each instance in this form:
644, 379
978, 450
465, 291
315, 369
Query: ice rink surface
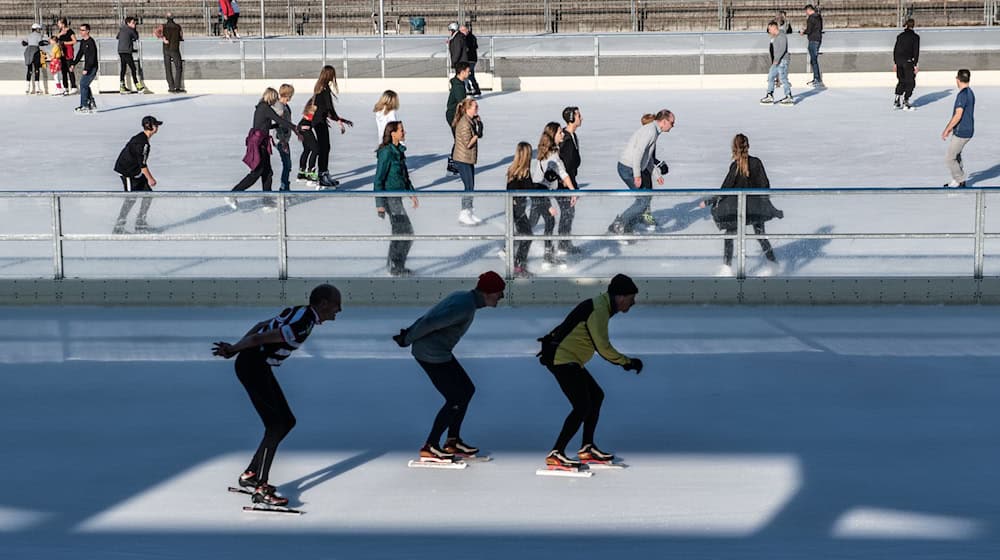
753, 433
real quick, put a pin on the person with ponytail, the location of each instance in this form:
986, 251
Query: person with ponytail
745, 172
324, 93
468, 129
548, 171
519, 179
391, 174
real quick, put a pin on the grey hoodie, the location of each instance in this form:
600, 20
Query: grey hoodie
31, 45
436, 333
126, 37
779, 48
638, 153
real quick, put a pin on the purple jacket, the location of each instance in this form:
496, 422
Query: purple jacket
255, 138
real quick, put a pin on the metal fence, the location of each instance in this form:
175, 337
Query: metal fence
861, 232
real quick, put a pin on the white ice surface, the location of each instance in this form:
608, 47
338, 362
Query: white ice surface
752, 433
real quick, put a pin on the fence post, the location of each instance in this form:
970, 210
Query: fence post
547, 14
980, 227
323, 22
263, 44
57, 241
381, 37
635, 16
282, 238
461, 12
509, 233
243, 65
597, 56
345, 58
741, 232
208, 19
701, 54
493, 57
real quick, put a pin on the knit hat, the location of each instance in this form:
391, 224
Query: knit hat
622, 285
490, 283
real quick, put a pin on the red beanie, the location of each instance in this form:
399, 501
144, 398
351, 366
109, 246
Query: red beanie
490, 283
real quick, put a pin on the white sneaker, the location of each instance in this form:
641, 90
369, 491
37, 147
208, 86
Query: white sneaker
475, 218
725, 270
232, 203
466, 218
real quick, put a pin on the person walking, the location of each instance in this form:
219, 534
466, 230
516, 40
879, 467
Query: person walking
635, 168
265, 346
33, 59
282, 137
324, 94
87, 52
745, 172
385, 112
173, 62
226, 11
456, 94
905, 62
127, 36
433, 337
132, 166
780, 57
565, 353
391, 174
472, 57
519, 179
258, 142
569, 153
67, 44
548, 170
468, 131
814, 33
961, 127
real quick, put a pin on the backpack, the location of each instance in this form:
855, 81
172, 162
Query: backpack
551, 341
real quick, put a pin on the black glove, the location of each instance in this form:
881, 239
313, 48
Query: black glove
662, 166
401, 338
634, 364
551, 175
477, 127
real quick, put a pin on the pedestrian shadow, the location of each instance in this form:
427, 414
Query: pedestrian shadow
680, 216
450, 178
151, 103
928, 98
984, 175
798, 254
423, 160
294, 489
803, 96
472, 254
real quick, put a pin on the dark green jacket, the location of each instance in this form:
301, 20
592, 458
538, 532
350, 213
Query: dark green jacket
455, 96
391, 173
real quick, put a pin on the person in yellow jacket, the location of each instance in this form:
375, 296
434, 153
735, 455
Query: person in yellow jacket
565, 352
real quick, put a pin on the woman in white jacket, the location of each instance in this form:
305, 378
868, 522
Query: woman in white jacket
548, 172
385, 112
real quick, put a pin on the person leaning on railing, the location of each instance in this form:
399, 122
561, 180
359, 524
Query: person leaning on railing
391, 174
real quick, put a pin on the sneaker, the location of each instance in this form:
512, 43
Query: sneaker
139, 86
590, 452
265, 494
232, 202
907, 106
433, 453
73, 91
559, 460
724, 271
466, 218
767, 100
456, 446
787, 101
819, 85
123, 89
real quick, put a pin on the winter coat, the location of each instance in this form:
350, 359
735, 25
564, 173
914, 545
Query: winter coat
907, 48
455, 96
436, 333
779, 49
226, 7
126, 39
391, 174
256, 139
457, 49
464, 133
639, 153
569, 153
814, 28
31, 44
173, 34
759, 207
590, 335
324, 108
471, 48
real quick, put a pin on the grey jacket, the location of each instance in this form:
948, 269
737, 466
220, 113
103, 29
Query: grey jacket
638, 153
126, 37
436, 333
282, 135
779, 48
31, 46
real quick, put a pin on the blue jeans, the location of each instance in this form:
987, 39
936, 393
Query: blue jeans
779, 70
284, 150
86, 96
633, 214
814, 60
467, 172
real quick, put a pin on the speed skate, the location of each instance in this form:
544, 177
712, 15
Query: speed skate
437, 464
597, 465
261, 508
569, 472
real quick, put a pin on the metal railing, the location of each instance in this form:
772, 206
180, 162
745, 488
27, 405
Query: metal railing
273, 229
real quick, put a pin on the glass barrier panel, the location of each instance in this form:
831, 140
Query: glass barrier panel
26, 259
935, 212
26, 215
172, 215
170, 259
860, 257
426, 258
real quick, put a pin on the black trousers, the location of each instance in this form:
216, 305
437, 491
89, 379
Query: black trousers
765, 245
263, 172
33, 69
125, 59
566, 214
450, 379
401, 225
522, 227
310, 149
906, 79
540, 209
173, 66
135, 184
323, 146
586, 397
67, 76
269, 401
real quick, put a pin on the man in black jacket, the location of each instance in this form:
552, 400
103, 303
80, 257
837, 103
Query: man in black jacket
173, 64
814, 32
133, 168
456, 45
569, 153
127, 36
905, 57
87, 52
472, 56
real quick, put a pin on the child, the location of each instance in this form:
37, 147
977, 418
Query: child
282, 136
55, 64
310, 146
32, 58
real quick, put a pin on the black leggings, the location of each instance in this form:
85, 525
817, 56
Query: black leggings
33, 68
522, 227
125, 59
457, 389
765, 245
540, 209
323, 146
586, 397
906, 79
401, 225
566, 214
67, 76
310, 149
269, 401
262, 171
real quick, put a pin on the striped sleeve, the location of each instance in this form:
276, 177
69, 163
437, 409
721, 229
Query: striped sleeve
297, 326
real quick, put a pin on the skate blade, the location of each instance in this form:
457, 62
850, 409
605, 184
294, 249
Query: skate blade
437, 465
236, 490
572, 473
597, 465
474, 458
261, 508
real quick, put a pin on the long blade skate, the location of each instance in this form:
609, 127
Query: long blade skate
247, 491
480, 457
433, 464
261, 508
570, 472
596, 464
